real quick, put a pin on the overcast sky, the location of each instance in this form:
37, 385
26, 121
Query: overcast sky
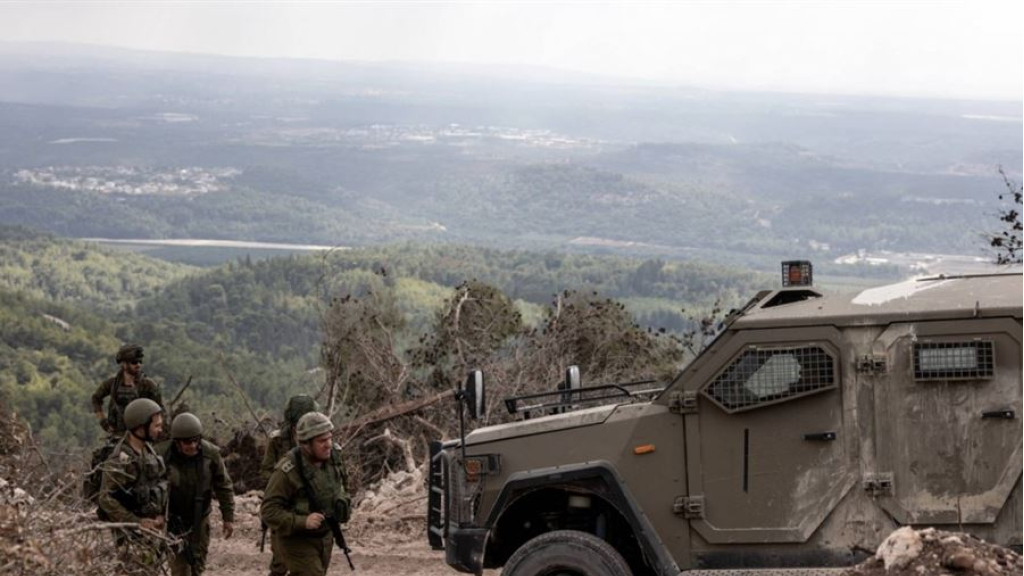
954, 49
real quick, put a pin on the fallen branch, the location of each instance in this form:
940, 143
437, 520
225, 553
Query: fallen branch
393, 411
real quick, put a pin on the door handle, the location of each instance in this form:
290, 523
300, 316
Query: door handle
1001, 414
820, 437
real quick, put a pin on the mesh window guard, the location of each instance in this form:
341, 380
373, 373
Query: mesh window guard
954, 360
766, 376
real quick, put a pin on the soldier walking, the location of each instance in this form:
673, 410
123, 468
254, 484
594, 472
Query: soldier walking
196, 474
281, 442
305, 500
133, 488
128, 384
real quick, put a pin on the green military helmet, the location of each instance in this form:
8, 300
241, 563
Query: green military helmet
129, 353
186, 425
139, 411
312, 425
299, 406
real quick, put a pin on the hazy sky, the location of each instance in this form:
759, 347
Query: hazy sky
935, 48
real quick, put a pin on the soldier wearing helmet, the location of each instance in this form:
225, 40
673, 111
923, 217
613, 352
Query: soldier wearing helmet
128, 384
281, 441
134, 484
196, 474
305, 493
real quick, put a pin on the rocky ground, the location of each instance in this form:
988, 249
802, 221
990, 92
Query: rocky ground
909, 552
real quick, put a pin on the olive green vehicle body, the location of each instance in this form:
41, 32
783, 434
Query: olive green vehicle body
802, 436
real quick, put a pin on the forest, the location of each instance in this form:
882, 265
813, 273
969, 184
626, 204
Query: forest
68, 304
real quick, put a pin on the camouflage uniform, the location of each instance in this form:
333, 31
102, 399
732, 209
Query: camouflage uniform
206, 474
286, 506
134, 487
121, 395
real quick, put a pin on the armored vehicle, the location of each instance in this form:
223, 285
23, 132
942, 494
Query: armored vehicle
807, 431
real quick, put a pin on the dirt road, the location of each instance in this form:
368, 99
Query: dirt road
381, 548
241, 558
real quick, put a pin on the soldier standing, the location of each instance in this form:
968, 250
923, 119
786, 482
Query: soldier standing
306, 498
281, 442
128, 384
196, 473
134, 484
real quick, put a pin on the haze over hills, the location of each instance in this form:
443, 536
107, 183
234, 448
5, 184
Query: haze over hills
102, 142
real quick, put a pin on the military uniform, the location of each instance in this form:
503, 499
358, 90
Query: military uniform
286, 507
193, 482
121, 395
134, 486
281, 441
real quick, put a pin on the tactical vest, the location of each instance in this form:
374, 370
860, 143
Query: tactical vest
327, 483
120, 397
147, 496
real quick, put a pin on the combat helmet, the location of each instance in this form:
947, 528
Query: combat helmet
299, 406
128, 353
139, 411
186, 425
312, 425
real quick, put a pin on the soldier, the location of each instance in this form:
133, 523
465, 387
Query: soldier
281, 441
134, 484
128, 384
196, 473
306, 500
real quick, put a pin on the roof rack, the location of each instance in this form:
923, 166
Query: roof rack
574, 397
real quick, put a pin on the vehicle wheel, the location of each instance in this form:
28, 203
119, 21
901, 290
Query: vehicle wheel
566, 553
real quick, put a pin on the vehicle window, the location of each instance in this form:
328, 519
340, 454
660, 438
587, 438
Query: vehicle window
762, 376
953, 360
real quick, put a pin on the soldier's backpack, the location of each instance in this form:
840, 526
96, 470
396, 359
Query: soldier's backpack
94, 476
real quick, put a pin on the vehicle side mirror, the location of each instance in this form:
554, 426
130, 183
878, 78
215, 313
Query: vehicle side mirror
474, 396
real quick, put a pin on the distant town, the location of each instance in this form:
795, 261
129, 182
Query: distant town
129, 180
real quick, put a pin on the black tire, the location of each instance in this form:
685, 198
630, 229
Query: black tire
566, 553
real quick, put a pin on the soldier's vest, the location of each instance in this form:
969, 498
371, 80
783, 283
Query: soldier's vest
120, 397
147, 496
327, 484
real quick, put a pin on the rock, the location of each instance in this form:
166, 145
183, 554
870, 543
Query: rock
900, 548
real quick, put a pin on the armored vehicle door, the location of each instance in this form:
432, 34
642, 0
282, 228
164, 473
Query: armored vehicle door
767, 447
947, 421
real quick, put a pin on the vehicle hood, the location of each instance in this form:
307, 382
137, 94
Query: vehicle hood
544, 424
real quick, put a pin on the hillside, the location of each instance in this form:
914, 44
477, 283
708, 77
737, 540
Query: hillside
72, 272
68, 305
